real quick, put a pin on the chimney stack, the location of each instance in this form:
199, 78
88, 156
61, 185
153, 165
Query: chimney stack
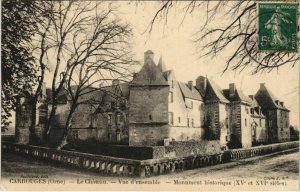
148, 55
282, 103
232, 90
190, 85
201, 84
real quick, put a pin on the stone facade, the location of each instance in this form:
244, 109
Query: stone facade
156, 109
277, 115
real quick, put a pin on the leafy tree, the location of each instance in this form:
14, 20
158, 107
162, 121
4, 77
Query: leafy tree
18, 67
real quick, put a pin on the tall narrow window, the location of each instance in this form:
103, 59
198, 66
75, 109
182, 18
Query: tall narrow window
188, 122
171, 97
179, 120
109, 119
260, 122
270, 123
118, 118
245, 122
150, 117
172, 84
171, 118
226, 122
192, 122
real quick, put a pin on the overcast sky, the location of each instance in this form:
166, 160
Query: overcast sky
174, 43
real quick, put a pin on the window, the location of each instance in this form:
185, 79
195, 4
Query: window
92, 119
179, 120
270, 123
171, 118
245, 122
247, 110
75, 134
171, 97
150, 117
188, 122
260, 122
172, 84
109, 119
226, 122
192, 122
118, 118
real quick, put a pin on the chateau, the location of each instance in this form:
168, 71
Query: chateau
155, 109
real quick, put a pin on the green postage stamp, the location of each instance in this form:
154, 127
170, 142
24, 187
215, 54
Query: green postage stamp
277, 26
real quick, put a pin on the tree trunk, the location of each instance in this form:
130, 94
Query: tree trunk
68, 126
33, 139
48, 125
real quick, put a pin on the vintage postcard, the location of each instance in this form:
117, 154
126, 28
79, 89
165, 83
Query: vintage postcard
150, 95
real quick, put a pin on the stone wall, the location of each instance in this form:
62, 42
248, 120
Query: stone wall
148, 104
141, 168
260, 131
283, 126
121, 151
187, 148
235, 125
186, 133
246, 137
215, 119
271, 116
148, 134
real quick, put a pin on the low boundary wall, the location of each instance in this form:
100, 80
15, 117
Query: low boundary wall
141, 168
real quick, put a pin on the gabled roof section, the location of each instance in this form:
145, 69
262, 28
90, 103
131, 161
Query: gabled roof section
161, 65
189, 93
214, 93
266, 99
167, 73
150, 74
253, 102
238, 96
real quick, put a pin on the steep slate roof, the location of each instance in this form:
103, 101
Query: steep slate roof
150, 74
238, 96
189, 93
267, 99
161, 65
62, 97
214, 93
166, 74
95, 96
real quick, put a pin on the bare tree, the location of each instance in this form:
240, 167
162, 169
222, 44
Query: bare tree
239, 33
87, 44
42, 41
101, 54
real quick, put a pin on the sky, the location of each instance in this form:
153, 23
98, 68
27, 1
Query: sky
174, 43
